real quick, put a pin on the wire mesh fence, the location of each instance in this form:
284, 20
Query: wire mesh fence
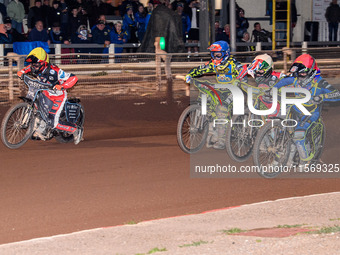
142, 75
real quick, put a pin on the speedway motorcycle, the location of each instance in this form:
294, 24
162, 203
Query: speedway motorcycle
274, 145
28, 119
193, 126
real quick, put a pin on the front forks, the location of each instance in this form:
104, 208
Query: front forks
26, 116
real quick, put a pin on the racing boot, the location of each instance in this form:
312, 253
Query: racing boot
219, 145
78, 135
212, 136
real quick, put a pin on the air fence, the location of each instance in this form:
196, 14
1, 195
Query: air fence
143, 75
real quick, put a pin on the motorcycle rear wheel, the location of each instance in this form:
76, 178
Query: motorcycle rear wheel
67, 137
15, 129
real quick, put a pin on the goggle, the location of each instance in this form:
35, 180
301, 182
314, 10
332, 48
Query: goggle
217, 55
299, 69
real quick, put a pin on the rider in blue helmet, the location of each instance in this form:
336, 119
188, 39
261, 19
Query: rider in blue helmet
226, 69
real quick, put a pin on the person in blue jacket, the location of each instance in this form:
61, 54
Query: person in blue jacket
141, 22
118, 36
306, 74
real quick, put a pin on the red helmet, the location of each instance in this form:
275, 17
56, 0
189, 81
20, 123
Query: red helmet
304, 68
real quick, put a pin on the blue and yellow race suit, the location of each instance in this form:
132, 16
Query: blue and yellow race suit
225, 72
320, 89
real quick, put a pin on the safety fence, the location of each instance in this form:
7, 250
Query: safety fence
142, 75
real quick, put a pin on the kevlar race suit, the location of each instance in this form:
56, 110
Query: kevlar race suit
225, 72
321, 91
56, 97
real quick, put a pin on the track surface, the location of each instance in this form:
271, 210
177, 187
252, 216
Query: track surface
49, 188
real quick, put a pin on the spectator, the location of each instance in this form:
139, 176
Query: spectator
130, 25
259, 34
124, 7
4, 37
141, 22
34, 14
241, 24
245, 39
56, 35
16, 36
333, 17
63, 15
149, 10
193, 35
46, 10
218, 30
101, 35
225, 36
74, 22
54, 15
102, 17
38, 33
186, 24
16, 11
3, 10
83, 36
118, 36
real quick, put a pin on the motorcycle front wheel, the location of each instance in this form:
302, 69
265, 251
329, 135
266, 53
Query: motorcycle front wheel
17, 126
192, 129
240, 139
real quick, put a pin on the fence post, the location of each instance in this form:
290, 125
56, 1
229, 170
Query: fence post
111, 53
2, 47
10, 82
158, 63
304, 47
169, 91
258, 46
57, 52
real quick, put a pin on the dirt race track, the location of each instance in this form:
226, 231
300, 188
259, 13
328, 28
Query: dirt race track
129, 168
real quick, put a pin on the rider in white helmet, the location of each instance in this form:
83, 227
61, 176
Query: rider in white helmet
261, 69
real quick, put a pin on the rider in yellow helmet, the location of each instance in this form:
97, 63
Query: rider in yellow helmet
40, 67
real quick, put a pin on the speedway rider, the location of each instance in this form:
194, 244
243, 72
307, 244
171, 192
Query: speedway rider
306, 74
45, 72
226, 69
261, 69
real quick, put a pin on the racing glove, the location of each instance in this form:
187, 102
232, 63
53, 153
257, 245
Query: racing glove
57, 87
187, 78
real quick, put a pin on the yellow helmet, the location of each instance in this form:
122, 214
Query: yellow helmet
38, 58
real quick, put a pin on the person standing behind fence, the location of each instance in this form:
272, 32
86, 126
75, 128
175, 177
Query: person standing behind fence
333, 17
75, 20
186, 24
4, 37
34, 14
242, 24
225, 35
38, 33
16, 36
193, 36
118, 36
141, 22
130, 25
101, 35
16, 11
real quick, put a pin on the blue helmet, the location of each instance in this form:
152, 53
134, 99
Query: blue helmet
219, 51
